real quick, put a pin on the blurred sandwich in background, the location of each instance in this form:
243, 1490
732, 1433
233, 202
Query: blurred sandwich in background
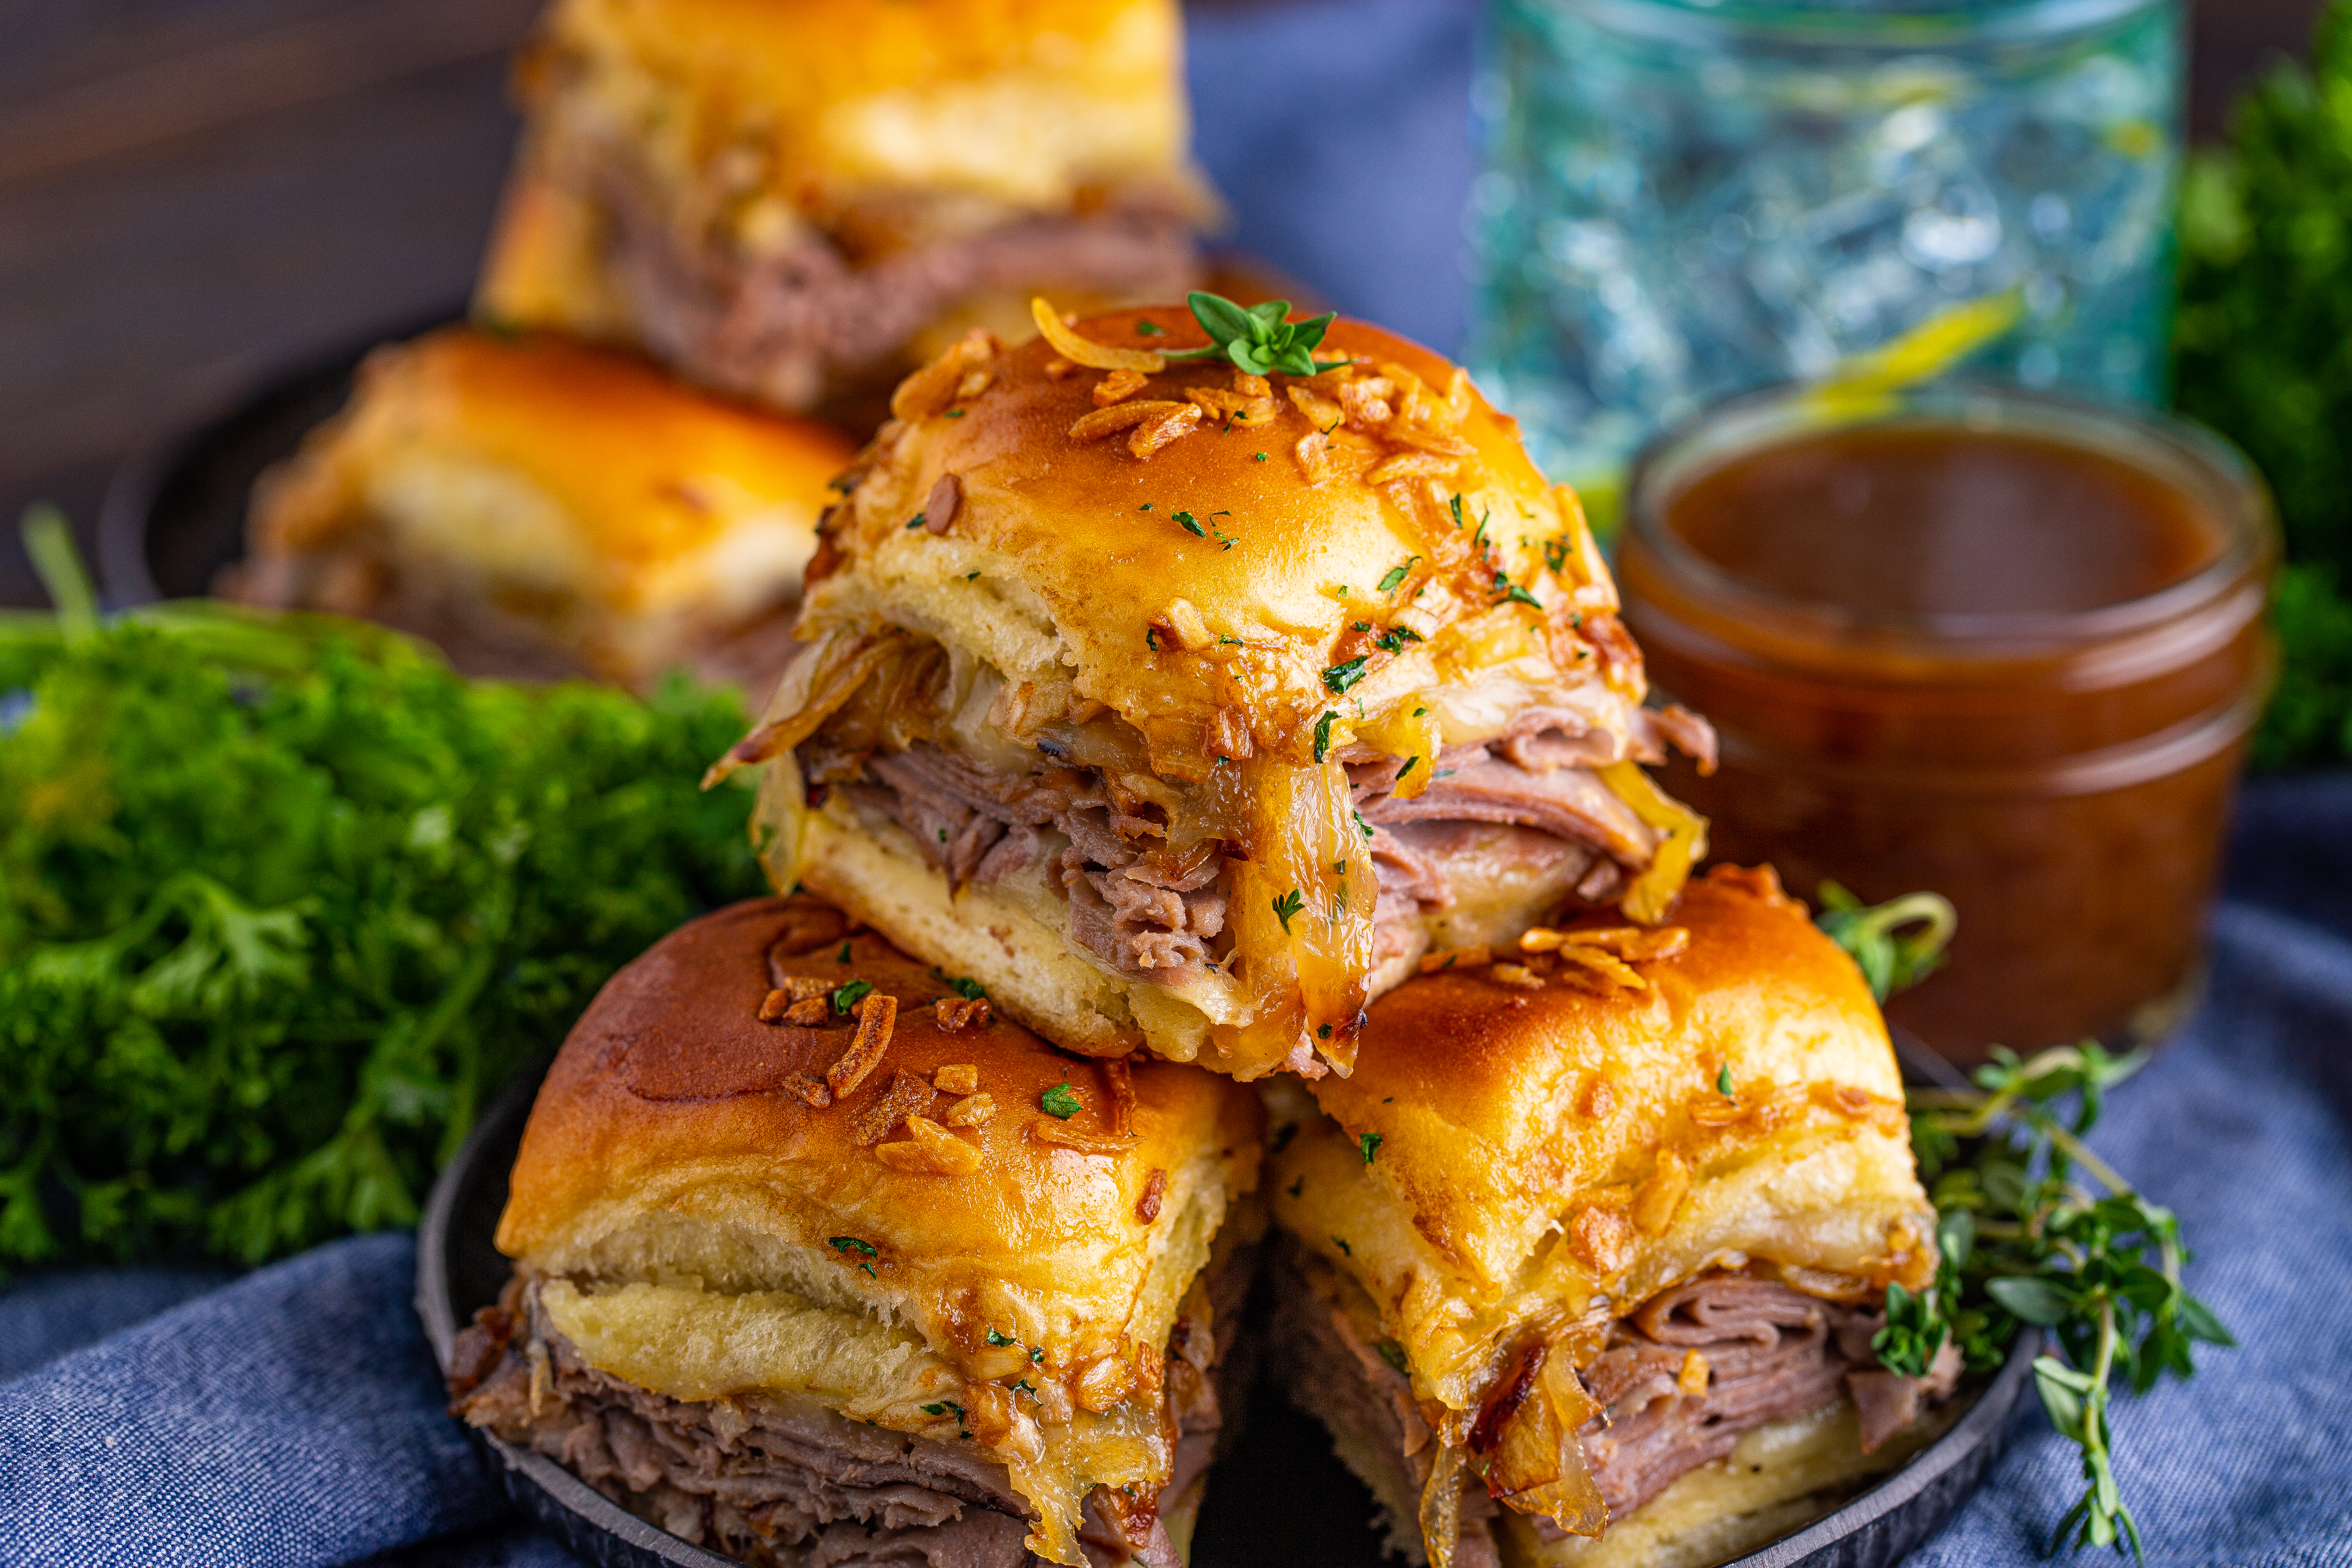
544, 510
801, 200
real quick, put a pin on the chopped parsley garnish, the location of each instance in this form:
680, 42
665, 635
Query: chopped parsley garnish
1359, 626
1556, 554
1257, 339
1298, 1186
969, 576
1151, 638
843, 956
915, 522
1323, 734
1340, 677
1037, 1356
1393, 639
1149, 329
942, 1407
955, 413
1191, 524
1369, 1143
847, 997
963, 985
1723, 1081
1345, 1250
851, 1243
1361, 825
996, 1339
1059, 1101
1392, 1354
1287, 905
1408, 767
1260, 457
1519, 595
1145, 507
1454, 506
1397, 575
1324, 1033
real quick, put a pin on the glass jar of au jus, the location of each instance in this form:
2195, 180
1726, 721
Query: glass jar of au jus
1981, 641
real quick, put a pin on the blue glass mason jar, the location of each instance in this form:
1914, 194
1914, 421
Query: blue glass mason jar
1681, 200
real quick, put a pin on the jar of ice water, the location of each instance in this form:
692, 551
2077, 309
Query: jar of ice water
1683, 199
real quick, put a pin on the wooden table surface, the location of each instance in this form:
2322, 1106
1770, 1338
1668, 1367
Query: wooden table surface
197, 196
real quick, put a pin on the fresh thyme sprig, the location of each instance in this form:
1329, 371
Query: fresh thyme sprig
2022, 1239
1255, 337
1892, 957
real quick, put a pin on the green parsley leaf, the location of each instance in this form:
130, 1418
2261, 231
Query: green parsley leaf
996, 1339
1407, 768
1723, 1081
1151, 329
1345, 1250
851, 1243
1287, 905
1393, 1353
955, 413
1516, 595
1256, 340
1191, 524
1323, 733
1059, 1101
1556, 554
1259, 457
915, 522
1340, 677
845, 997
843, 956
1371, 1143
1393, 639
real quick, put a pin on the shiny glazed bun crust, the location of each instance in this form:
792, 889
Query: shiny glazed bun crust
817, 103
675, 1136
1204, 591
1504, 1153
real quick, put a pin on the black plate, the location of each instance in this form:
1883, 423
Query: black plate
1278, 1497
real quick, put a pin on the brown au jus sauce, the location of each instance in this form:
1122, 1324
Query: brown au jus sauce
1991, 643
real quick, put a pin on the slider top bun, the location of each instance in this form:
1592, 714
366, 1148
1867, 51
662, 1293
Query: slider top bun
673, 1139
817, 103
615, 477
1224, 593
1504, 1157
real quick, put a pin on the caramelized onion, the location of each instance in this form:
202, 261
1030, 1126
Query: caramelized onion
1655, 890
1085, 352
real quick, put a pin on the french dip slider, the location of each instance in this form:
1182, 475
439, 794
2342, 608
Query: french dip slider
819, 1262
801, 200
1581, 1263
542, 509
1187, 707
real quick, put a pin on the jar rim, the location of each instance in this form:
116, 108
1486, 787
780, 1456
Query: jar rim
1901, 26
2184, 454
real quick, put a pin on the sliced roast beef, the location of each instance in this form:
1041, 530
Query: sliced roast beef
1765, 1352
794, 324
1528, 805
781, 1482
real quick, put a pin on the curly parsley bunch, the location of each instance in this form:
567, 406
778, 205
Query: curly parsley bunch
283, 900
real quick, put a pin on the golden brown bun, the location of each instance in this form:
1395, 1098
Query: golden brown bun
669, 1139
814, 103
1534, 1153
1066, 566
623, 519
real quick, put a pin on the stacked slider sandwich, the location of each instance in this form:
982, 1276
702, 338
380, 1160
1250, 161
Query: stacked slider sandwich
1228, 690
801, 200
1588, 1219
1186, 692
541, 507
818, 1262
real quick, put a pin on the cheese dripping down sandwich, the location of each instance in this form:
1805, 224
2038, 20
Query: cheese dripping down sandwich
819, 1261
1589, 1221
801, 200
541, 509
1187, 707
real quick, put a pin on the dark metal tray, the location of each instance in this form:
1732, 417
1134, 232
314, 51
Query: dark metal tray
1279, 1496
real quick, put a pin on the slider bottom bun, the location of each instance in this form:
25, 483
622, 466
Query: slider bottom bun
1690, 1479
819, 1262
1019, 932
